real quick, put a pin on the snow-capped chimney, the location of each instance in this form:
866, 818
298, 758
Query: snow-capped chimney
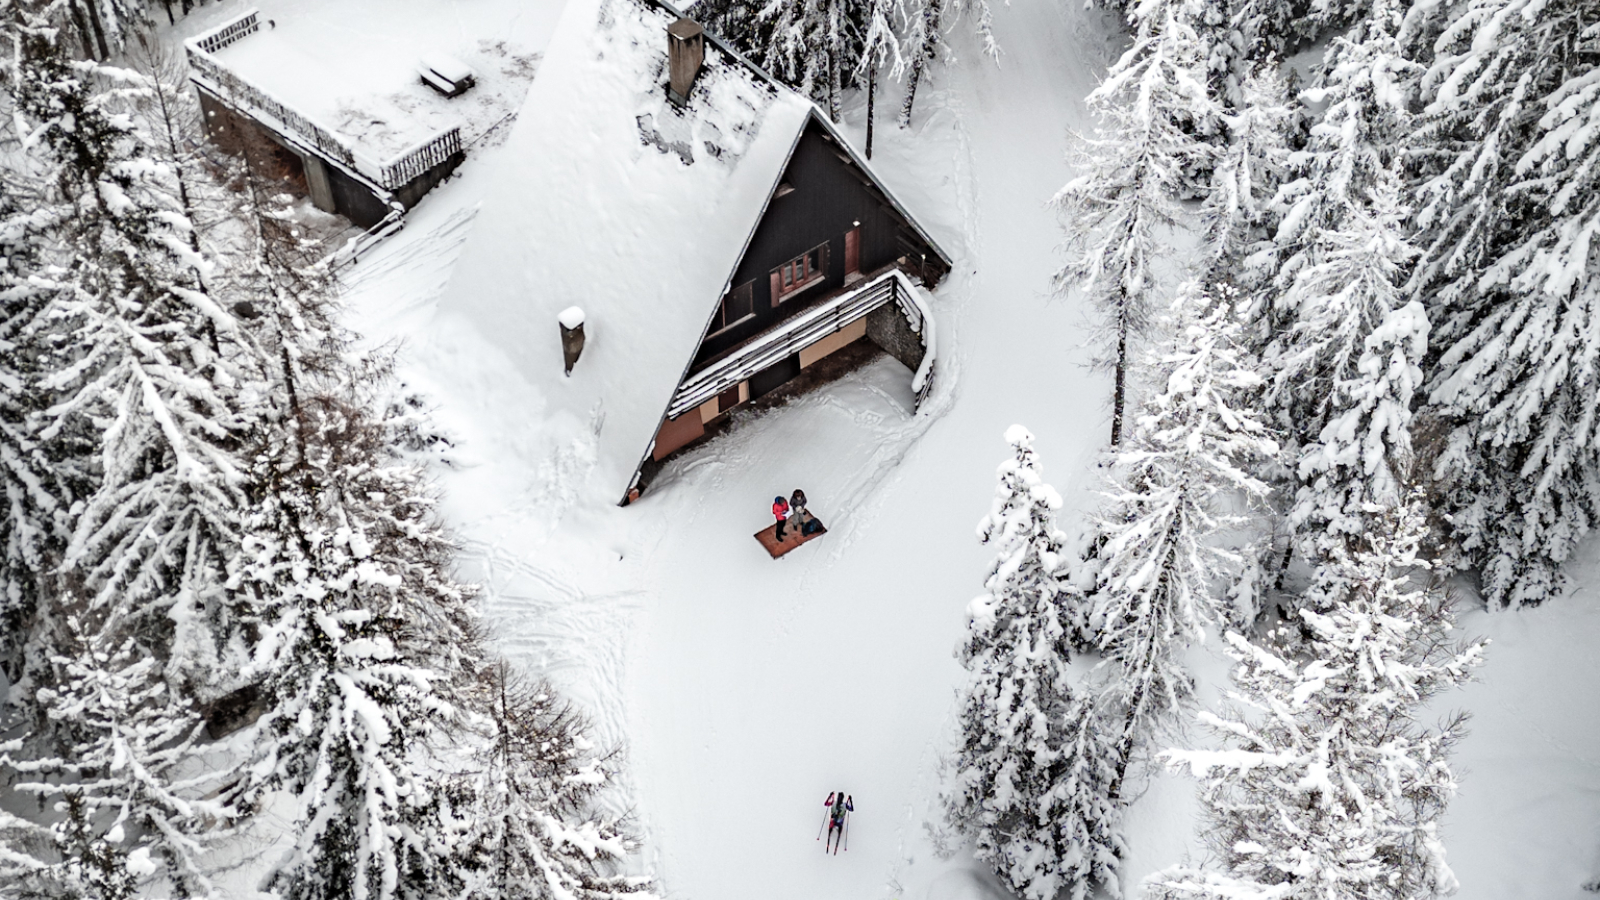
572, 339
686, 50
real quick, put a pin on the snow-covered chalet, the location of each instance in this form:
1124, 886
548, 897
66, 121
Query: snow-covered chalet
673, 233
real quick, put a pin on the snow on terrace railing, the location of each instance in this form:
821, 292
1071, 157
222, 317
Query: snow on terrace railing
418, 160
802, 331
228, 32
228, 85
259, 103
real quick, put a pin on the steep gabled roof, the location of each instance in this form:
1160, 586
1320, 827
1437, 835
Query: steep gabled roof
610, 198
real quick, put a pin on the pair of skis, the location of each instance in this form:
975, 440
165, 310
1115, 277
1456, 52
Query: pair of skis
844, 833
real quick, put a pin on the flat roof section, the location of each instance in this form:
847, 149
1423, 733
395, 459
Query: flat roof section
351, 67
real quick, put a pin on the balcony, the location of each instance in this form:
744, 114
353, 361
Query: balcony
887, 286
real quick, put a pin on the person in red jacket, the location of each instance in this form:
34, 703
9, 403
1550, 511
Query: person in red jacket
780, 511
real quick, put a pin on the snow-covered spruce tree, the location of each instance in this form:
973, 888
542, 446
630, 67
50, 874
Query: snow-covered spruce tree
530, 830
136, 408
1118, 211
131, 795
1031, 777
1509, 282
101, 27
1327, 784
822, 47
1363, 456
816, 46
1237, 213
926, 22
1341, 241
37, 486
1158, 582
366, 650
144, 393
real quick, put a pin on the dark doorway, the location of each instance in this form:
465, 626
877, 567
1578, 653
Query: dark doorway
282, 164
766, 380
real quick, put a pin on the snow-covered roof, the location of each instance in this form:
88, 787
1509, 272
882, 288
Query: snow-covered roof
611, 198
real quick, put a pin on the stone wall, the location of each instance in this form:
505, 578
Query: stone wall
887, 327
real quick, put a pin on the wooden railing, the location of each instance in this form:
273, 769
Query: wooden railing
237, 92
241, 94
792, 335
419, 160
228, 32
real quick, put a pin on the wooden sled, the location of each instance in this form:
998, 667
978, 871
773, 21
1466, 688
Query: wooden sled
792, 538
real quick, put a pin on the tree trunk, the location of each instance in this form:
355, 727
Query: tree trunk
83, 29
833, 83
1119, 390
99, 30
923, 55
872, 95
1125, 743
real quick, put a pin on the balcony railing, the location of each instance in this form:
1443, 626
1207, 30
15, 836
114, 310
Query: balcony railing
242, 94
805, 329
228, 32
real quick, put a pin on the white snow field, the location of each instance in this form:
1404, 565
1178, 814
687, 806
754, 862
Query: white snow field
744, 689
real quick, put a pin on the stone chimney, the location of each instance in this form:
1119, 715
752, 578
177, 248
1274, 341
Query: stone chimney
686, 50
572, 338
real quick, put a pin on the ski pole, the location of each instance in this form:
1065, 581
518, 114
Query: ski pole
822, 826
846, 834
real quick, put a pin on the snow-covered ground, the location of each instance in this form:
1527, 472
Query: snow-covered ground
743, 689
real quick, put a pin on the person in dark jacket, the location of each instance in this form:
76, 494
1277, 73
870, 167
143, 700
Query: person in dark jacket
840, 806
780, 511
808, 523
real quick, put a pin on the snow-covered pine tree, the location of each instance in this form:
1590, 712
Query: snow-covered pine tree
1237, 213
131, 795
1327, 785
1031, 777
1246, 38
1341, 240
527, 810
823, 47
1159, 563
816, 46
366, 651
37, 486
1508, 281
153, 406
926, 21
1118, 211
1363, 456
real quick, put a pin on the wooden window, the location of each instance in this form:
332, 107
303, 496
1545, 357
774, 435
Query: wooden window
738, 305
728, 399
805, 270
852, 252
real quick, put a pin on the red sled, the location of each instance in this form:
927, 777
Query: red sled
792, 537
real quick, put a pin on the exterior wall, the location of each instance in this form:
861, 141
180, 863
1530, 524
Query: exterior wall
838, 340
676, 433
354, 199
332, 187
772, 377
887, 327
829, 196
410, 194
317, 182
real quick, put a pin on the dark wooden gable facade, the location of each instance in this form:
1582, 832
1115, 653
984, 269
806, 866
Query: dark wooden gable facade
803, 250
828, 232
